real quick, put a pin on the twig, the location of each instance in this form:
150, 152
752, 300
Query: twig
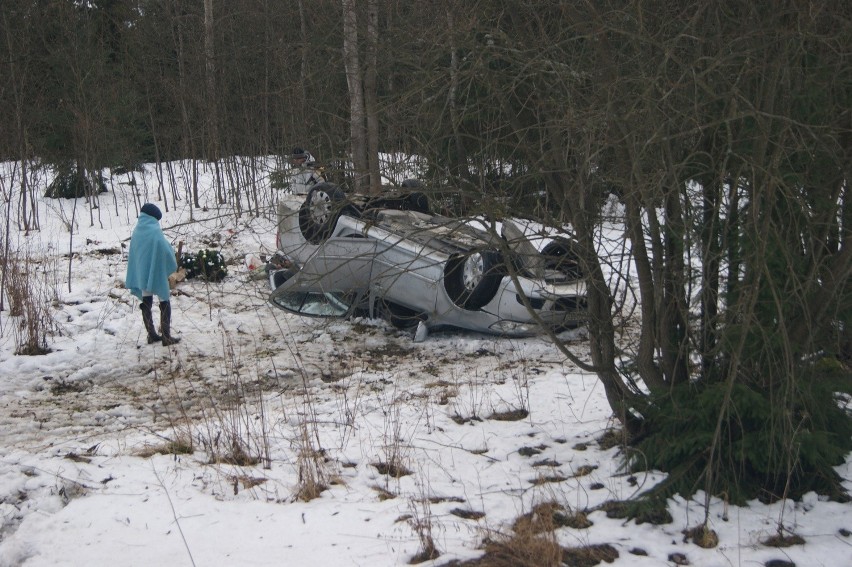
174, 514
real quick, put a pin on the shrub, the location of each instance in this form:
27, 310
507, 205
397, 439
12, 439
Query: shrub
208, 264
72, 183
30, 297
770, 444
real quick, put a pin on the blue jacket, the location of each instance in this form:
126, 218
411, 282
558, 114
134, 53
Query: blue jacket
151, 259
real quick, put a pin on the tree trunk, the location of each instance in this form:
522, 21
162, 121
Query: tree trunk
370, 94
354, 82
458, 157
210, 81
303, 67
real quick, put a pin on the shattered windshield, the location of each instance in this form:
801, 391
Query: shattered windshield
316, 304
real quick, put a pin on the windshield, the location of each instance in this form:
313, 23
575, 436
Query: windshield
316, 304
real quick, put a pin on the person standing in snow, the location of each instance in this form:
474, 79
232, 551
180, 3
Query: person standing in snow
150, 262
306, 175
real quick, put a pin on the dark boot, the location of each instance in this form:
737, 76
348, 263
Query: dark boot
166, 324
148, 319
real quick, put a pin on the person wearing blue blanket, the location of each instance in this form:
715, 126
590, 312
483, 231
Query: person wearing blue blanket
150, 262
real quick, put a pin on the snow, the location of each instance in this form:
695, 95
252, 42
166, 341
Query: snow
81, 482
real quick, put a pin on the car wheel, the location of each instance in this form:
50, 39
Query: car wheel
472, 280
412, 183
417, 201
320, 211
560, 256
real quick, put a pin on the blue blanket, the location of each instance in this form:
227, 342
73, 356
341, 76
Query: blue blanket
151, 259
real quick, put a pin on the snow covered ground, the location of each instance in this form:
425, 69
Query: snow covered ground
116, 452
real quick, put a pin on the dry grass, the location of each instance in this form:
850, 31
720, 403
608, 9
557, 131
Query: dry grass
383, 493
311, 458
702, 536
510, 415
783, 540
30, 296
589, 555
549, 516
421, 522
466, 514
178, 446
245, 482
533, 542
612, 438
311, 462
523, 548
395, 457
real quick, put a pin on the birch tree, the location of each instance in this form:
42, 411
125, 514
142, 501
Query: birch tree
355, 84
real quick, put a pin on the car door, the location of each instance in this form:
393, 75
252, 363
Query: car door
407, 270
331, 282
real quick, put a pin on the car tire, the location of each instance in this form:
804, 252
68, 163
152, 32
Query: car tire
472, 280
417, 202
560, 256
412, 183
319, 213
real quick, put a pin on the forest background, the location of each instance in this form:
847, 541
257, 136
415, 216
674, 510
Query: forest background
722, 129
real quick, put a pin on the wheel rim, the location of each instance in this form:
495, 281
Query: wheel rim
472, 271
320, 207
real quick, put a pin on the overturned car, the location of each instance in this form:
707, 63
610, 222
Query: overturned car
341, 254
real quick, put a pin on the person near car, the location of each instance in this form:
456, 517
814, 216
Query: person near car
150, 261
305, 172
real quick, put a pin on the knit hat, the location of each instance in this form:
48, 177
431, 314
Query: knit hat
151, 210
298, 153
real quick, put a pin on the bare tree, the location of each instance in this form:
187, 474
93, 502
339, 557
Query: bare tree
707, 140
371, 95
355, 83
210, 80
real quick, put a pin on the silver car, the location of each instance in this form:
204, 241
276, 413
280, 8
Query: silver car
341, 254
